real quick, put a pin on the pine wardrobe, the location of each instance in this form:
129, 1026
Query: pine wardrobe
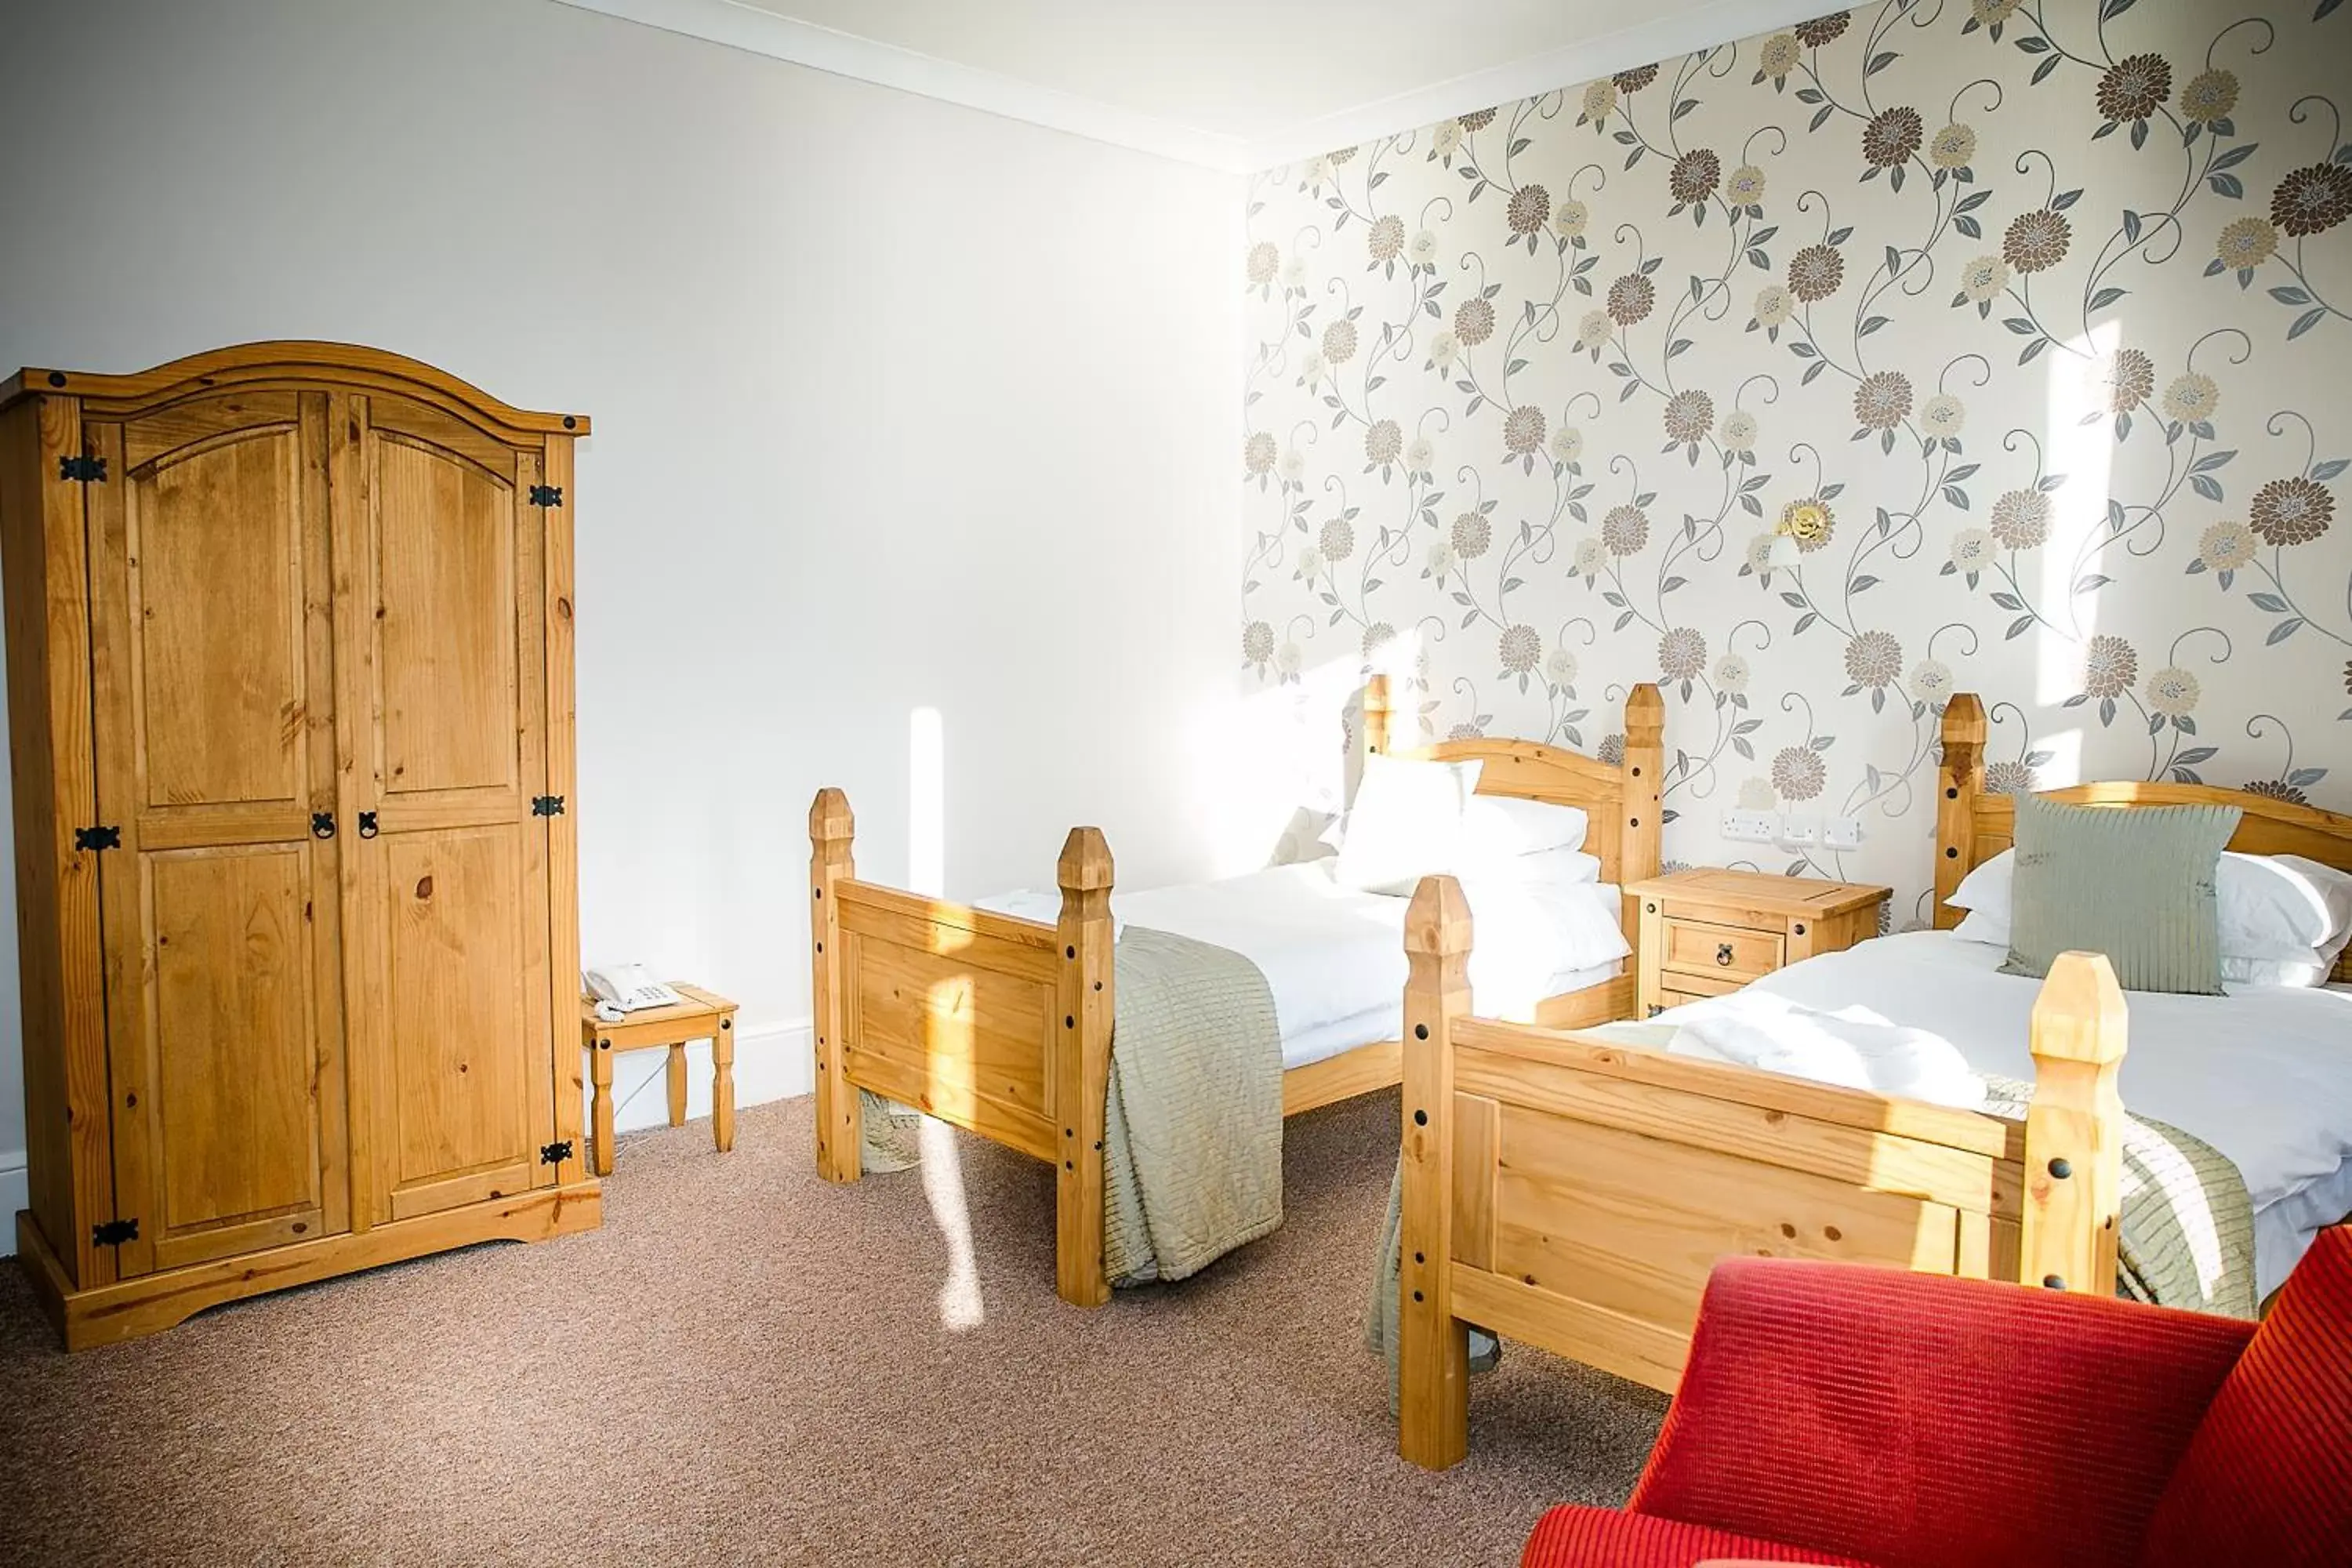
290, 652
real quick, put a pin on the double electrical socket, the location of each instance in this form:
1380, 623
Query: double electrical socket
1791, 830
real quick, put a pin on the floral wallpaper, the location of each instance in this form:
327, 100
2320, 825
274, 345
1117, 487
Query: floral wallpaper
2029, 318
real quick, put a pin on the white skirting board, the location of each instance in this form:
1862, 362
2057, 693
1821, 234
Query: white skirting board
773, 1063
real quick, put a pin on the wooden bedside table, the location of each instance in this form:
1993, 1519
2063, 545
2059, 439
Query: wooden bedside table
1706, 933
704, 1014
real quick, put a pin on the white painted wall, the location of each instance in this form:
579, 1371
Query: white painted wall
897, 404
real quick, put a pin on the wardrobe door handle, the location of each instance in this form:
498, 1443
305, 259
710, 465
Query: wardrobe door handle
322, 825
367, 824
1722, 953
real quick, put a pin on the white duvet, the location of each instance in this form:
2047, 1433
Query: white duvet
2264, 1075
1334, 956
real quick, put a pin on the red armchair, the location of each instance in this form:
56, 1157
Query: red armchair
1842, 1414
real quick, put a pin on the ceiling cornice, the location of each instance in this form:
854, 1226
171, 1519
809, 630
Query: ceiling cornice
761, 32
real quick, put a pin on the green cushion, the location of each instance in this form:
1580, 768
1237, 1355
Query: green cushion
2135, 883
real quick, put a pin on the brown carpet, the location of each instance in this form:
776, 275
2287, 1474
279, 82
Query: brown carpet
746, 1365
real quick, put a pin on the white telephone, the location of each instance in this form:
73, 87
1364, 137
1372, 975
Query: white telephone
629, 987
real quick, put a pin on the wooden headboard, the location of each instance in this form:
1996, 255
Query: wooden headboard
1622, 801
1973, 824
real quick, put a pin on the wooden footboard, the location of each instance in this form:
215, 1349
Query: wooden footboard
996, 1025
1574, 1193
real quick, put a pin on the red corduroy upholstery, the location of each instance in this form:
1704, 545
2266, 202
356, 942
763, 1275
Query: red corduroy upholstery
1834, 1413
2269, 1478
1575, 1537
1923, 1422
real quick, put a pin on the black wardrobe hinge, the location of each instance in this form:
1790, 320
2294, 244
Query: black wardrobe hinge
114, 1233
547, 805
555, 1154
101, 838
84, 470
546, 495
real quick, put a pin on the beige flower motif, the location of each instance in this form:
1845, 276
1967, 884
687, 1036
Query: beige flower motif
2246, 243
1421, 248
1931, 680
2109, 666
1755, 794
1338, 540
1630, 298
1289, 658
1560, 668
1310, 563
2021, 518
1384, 241
1774, 305
1760, 555
1600, 101
1339, 342
1567, 444
2036, 241
1739, 431
1625, 530
1383, 443
1320, 173
1523, 430
1257, 453
1591, 556
1257, 643
1293, 467
1874, 658
1519, 650
2128, 377
1745, 188
1731, 673
1943, 415
1952, 147
1984, 278
1265, 261
1440, 560
1689, 417
1682, 654
1444, 347
1991, 13
1312, 368
1882, 400
1798, 773
2290, 511
2208, 96
2171, 691
1293, 272
1972, 549
1474, 322
1530, 208
1594, 329
1570, 217
1472, 534
1815, 272
1420, 454
1781, 54
1445, 139
2191, 396
2226, 546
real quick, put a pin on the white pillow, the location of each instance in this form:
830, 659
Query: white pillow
1546, 868
1406, 823
2279, 915
1502, 824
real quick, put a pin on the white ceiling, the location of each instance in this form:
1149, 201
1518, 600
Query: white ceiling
1234, 84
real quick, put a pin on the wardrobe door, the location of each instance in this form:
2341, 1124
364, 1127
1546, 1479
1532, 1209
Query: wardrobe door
212, 660
444, 703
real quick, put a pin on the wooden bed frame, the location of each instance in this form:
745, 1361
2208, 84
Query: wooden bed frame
1003, 1027
1573, 1193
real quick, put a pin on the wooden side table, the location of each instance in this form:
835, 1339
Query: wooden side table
1704, 933
704, 1014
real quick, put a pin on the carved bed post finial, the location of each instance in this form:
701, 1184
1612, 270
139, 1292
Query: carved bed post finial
1087, 999
1958, 782
839, 1130
2074, 1129
1377, 713
1432, 1348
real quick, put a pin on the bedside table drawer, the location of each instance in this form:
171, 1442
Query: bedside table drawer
1733, 952
1674, 990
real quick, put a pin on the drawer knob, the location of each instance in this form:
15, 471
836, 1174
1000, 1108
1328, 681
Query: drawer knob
1722, 954
1655, 1009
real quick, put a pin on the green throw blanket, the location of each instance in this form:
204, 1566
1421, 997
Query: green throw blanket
1193, 1124
2186, 1240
